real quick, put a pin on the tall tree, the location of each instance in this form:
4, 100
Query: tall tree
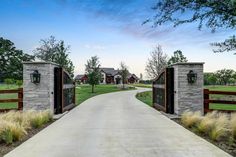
214, 14
124, 73
224, 75
55, 51
11, 60
156, 63
93, 72
178, 57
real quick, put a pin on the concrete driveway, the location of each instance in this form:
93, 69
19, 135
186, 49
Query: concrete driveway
115, 125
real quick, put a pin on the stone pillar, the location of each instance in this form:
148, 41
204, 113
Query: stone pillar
39, 96
188, 96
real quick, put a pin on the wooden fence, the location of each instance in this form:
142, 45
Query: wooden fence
19, 100
208, 101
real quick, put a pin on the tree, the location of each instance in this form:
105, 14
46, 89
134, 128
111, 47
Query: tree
214, 14
93, 72
177, 58
210, 79
124, 73
11, 60
55, 51
224, 75
141, 77
8, 82
156, 63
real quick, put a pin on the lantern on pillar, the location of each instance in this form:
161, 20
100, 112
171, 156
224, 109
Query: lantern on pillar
192, 77
35, 77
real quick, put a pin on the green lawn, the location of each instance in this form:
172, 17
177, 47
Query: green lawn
83, 92
145, 97
222, 97
142, 85
8, 96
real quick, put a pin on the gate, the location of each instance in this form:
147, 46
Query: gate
64, 91
163, 91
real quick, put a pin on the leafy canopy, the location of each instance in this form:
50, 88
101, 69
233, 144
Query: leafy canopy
92, 69
178, 57
55, 51
214, 14
11, 60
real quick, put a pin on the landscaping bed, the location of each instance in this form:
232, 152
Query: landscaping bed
217, 128
17, 127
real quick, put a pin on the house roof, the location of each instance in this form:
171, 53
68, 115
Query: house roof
79, 77
110, 71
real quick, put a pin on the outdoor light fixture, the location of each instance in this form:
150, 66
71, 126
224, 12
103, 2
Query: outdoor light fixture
192, 77
35, 77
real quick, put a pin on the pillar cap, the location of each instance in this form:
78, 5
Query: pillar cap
188, 63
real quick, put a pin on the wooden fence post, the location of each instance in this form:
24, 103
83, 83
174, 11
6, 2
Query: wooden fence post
74, 101
206, 100
20, 99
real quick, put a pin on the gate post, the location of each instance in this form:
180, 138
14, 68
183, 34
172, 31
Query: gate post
188, 87
38, 95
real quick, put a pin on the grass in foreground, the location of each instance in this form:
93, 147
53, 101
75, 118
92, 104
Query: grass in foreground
14, 125
83, 92
218, 128
145, 97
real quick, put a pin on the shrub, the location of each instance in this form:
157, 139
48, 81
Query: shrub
11, 131
40, 119
19, 83
14, 125
206, 123
6, 136
233, 125
190, 119
220, 127
9, 81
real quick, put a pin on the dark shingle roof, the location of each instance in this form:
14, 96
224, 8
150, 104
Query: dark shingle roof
78, 77
110, 71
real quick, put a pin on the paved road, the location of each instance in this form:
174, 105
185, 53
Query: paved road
115, 125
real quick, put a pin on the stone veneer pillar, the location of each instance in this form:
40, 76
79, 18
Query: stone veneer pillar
188, 96
39, 96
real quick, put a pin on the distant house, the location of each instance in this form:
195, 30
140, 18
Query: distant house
110, 76
81, 78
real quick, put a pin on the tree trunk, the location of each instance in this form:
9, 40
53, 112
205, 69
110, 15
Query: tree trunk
92, 88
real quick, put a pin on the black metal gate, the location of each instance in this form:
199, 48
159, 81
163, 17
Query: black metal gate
64, 91
163, 91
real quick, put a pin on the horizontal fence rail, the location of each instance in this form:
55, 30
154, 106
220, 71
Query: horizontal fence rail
208, 101
19, 100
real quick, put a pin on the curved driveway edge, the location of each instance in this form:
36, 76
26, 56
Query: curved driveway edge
116, 125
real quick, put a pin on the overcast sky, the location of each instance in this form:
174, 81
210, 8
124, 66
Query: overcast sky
110, 29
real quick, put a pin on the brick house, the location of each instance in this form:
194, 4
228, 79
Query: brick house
110, 76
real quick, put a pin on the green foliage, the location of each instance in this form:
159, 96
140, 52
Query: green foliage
220, 77
55, 51
214, 14
9, 81
224, 75
6, 136
124, 73
19, 83
177, 58
92, 69
11, 60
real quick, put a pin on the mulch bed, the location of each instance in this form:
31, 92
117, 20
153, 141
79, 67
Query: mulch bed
4, 148
223, 144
